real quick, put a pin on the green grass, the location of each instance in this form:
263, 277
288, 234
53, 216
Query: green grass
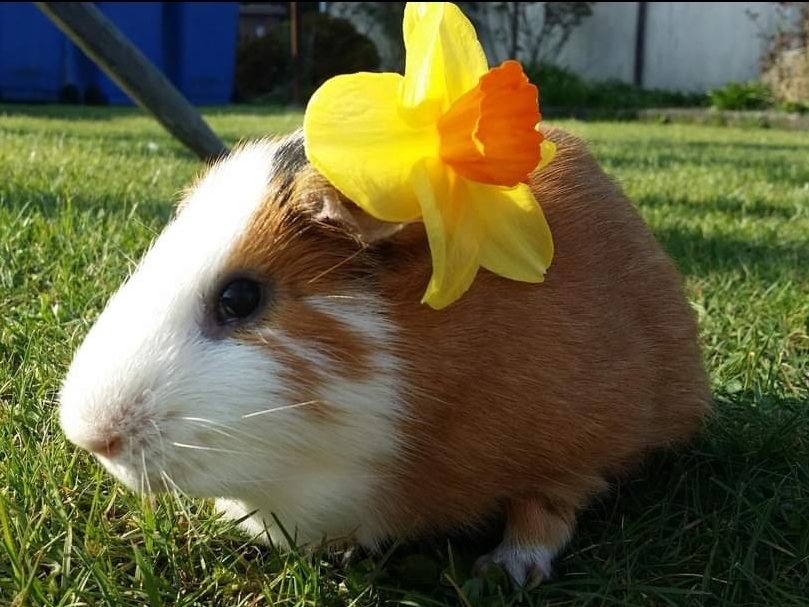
723, 522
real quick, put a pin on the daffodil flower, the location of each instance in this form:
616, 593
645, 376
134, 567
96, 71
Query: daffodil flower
451, 142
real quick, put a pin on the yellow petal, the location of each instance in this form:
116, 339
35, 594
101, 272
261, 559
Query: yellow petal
451, 230
358, 140
547, 151
516, 241
443, 56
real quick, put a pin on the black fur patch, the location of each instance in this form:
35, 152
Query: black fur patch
290, 159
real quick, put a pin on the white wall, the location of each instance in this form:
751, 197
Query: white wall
600, 48
690, 46
701, 45
603, 46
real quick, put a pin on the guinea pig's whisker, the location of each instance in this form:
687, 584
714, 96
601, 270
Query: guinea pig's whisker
204, 448
204, 420
335, 266
346, 297
143, 473
234, 434
282, 479
281, 408
169, 483
254, 481
156, 428
176, 493
159, 433
210, 425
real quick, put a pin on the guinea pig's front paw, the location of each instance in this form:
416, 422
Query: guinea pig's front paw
528, 566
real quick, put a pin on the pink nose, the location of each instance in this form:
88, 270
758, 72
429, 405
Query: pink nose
107, 446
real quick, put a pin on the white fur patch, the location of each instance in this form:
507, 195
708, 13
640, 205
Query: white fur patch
211, 416
329, 490
148, 340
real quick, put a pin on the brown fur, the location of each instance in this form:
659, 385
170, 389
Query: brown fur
535, 521
544, 391
518, 397
285, 249
299, 373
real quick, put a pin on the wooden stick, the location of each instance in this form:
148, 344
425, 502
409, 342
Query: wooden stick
104, 43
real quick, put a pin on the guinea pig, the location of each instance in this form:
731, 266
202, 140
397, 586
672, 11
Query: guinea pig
271, 351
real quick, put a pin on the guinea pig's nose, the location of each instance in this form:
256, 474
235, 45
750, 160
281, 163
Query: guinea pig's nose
106, 446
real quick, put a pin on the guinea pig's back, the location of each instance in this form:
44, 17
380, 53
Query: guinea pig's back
517, 389
608, 264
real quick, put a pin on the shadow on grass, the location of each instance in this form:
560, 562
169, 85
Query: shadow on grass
719, 521
698, 254
731, 205
115, 139
50, 206
69, 112
119, 135
737, 157
700, 150
126, 140
108, 112
749, 148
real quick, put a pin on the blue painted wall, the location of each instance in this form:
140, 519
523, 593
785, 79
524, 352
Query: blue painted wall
193, 43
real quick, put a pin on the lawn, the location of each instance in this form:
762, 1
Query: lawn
723, 522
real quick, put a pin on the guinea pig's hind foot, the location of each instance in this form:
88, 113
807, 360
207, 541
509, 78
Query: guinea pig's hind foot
535, 533
527, 566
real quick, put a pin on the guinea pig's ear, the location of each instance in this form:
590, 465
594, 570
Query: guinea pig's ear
333, 209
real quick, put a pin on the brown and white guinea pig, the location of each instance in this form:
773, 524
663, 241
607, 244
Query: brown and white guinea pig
271, 350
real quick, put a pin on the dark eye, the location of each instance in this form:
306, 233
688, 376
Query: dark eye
238, 300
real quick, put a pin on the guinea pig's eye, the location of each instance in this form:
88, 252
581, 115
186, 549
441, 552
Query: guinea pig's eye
238, 300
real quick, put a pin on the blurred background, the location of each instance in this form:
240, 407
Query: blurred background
597, 57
